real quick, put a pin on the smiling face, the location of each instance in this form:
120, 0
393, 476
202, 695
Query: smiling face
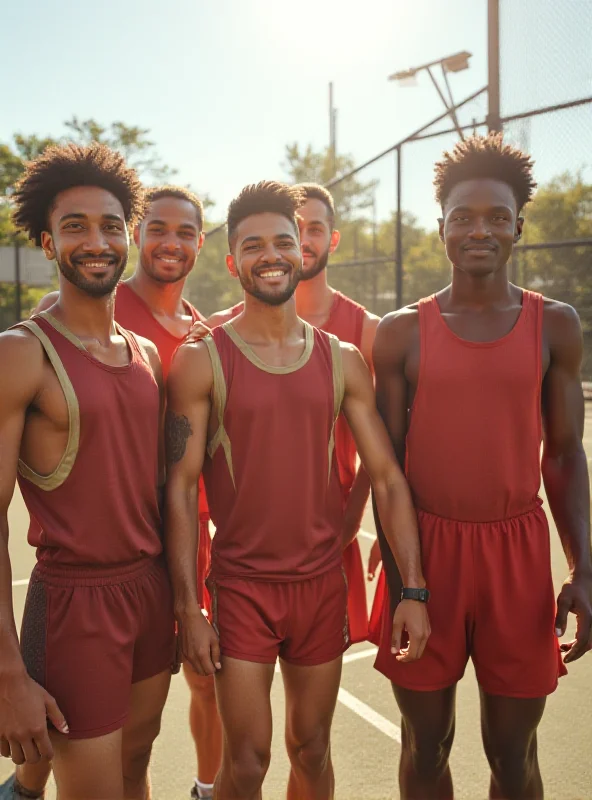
317, 238
169, 239
88, 238
266, 257
480, 225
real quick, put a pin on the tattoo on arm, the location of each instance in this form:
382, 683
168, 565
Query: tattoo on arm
177, 430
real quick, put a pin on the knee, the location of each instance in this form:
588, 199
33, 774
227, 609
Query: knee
248, 769
137, 753
202, 688
512, 762
429, 752
310, 755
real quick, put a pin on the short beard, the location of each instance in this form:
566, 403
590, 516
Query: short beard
272, 299
153, 275
322, 260
98, 288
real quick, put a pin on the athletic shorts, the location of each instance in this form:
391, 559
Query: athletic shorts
89, 634
492, 599
303, 622
357, 607
203, 565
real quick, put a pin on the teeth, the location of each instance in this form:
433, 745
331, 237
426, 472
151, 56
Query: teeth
96, 264
169, 260
274, 273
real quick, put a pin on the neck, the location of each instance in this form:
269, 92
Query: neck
271, 323
161, 298
84, 315
480, 291
314, 298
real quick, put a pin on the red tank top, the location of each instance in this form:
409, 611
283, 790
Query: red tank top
473, 446
346, 322
270, 473
100, 505
133, 313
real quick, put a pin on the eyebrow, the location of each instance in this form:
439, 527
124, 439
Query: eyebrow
287, 236
187, 225
114, 217
315, 222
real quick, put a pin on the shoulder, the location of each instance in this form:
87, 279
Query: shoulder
395, 335
562, 330
191, 368
46, 302
220, 317
371, 321
22, 357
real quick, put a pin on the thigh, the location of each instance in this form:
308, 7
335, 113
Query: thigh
311, 695
427, 716
148, 698
155, 646
509, 723
242, 692
199, 685
515, 650
89, 768
317, 630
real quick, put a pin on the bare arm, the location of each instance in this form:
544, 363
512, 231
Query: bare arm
154, 358
23, 703
393, 499
565, 470
186, 428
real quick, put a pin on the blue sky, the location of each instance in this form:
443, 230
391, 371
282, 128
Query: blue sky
224, 85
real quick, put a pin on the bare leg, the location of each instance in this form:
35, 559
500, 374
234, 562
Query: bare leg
34, 777
242, 689
141, 729
206, 727
89, 768
427, 726
311, 695
509, 727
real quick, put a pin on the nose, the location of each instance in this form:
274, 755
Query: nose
170, 242
271, 253
95, 241
480, 228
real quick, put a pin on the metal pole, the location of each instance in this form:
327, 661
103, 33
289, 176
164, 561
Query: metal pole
399, 243
17, 281
374, 253
331, 129
452, 111
494, 122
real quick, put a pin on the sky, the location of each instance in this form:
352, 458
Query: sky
223, 86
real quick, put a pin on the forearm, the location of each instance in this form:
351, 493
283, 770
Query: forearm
356, 505
10, 657
182, 539
568, 490
398, 522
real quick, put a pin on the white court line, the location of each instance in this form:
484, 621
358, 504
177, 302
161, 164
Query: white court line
364, 711
366, 535
24, 582
349, 657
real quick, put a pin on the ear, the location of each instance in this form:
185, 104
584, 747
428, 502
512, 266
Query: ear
231, 265
137, 236
200, 241
334, 243
518, 231
48, 245
441, 228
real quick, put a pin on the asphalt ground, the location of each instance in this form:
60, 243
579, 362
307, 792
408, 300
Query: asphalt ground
365, 730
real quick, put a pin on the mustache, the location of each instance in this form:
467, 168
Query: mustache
107, 256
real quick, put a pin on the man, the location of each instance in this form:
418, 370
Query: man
262, 396
324, 307
169, 239
484, 367
79, 422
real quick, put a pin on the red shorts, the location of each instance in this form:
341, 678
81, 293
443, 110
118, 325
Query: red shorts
203, 565
357, 608
89, 634
302, 622
491, 599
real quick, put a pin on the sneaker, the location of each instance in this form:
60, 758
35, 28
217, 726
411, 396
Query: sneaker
195, 795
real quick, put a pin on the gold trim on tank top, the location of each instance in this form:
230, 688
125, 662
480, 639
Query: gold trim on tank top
73, 339
50, 482
338, 391
220, 438
249, 353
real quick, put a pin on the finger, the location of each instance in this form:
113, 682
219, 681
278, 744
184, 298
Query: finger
563, 607
581, 643
410, 654
55, 715
43, 744
215, 650
422, 644
4, 747
16, 752
397, 636
370, 575
565, 647
30, 751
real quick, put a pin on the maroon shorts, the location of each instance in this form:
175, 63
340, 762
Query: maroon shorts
302, 622
492, 599
89, 634
357, 607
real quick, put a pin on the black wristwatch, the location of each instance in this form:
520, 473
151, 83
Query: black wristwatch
422, 595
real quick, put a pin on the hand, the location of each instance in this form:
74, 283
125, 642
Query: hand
374, 560
575, 596
410, 616
200, 645
24, 708
197, 332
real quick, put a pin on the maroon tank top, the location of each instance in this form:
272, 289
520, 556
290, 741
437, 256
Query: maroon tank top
100, 505
271, 474
473, 446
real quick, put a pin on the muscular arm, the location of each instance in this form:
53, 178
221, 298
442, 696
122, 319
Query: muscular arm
392, 496
154, 358
565, 468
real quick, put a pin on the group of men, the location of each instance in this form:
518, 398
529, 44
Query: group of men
266, 407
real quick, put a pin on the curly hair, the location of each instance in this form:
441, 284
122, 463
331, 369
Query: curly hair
263, 197
158, 192
62, 167
314, 191
485, 157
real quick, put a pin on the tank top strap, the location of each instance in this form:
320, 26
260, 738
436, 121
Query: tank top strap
532, 310
137, 349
